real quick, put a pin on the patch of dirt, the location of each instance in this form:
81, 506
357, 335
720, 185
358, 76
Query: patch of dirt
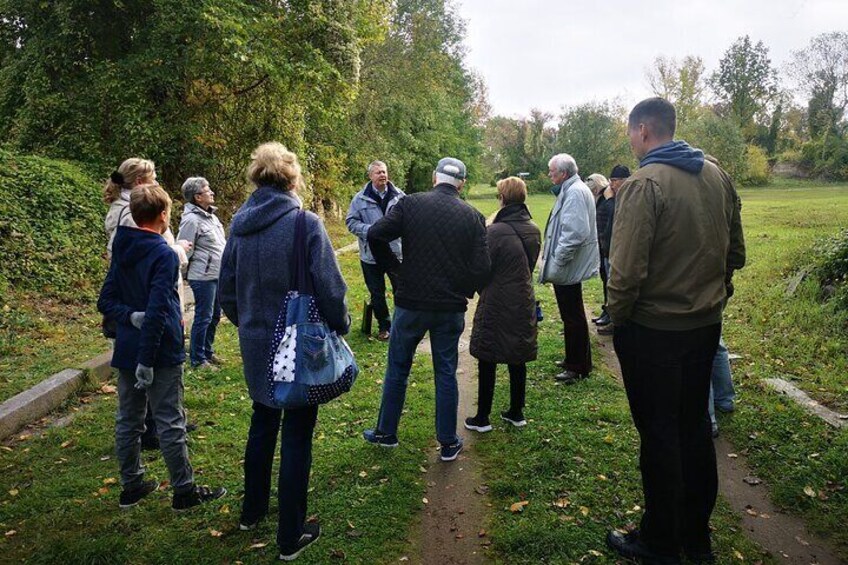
452, 530
783, 535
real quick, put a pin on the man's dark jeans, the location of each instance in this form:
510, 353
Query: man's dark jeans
375, 280
207, 314
667, 378
578, 352
295, 462
407, 332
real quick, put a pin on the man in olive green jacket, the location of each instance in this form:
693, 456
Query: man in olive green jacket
677, 238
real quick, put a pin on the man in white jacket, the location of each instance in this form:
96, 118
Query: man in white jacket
570, 256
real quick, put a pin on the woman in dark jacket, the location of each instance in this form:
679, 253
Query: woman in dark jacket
505, 321
255, 277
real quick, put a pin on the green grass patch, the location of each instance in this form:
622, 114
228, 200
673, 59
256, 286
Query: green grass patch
56, 491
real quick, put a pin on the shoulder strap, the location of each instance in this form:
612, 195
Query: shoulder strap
301, 280
523, 245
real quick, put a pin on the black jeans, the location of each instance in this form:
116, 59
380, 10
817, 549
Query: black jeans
667, 378
578, 351
602, 270
486, 387
375, 280
295, 462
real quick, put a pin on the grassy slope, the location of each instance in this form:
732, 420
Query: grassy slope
364, 496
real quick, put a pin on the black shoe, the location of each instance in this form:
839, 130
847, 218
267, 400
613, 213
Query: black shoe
246, 525
570, 377
608, 329
196, 496
131, 497
377, 437
630, 546
149, 442
604, 320
478, 424
311, 533
516, 420
450, 451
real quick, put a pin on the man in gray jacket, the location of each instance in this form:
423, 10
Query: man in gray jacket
570, 257
370, 204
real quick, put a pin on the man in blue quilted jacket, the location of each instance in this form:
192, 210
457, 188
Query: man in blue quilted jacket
445, 261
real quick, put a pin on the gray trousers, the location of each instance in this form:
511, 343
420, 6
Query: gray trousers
166, 401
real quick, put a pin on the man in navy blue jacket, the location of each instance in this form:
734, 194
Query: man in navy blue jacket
140, 295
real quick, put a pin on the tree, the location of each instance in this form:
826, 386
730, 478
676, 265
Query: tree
680, 82
821, 71
595, 134
745, 82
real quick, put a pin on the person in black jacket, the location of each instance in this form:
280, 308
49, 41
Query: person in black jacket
445, 261
605, 207
140, 295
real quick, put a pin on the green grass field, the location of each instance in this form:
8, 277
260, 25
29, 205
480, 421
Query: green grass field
575, 463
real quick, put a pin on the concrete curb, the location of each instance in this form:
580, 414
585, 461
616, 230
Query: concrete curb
38, 401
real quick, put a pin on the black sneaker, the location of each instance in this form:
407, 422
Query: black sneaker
196, 496
516, 420
451, 451
478, 424
131, 497
246, 525
630, 546
311, 533
379, 438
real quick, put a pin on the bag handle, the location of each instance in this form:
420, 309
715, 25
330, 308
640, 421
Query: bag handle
301, 278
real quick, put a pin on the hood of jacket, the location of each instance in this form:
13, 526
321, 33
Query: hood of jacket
373, 194
677, 154
134, 245
190, 208
557, 188
264, 207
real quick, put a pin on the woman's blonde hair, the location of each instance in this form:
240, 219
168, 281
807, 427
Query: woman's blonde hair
274, 165
512, 190
126, 176
597, 183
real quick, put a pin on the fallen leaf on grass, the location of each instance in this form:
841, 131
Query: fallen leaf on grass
751, 512
225, 509
482, 534
518, 507
584, 510
595, 552
338, 554
108, 389
809, 491
14, 492
164, 484
259, 545
482, 489
753, 481
738, 555
732, 455
802, 541
215, 533
562, 503
66, 443
425, 501
10, 533
110, 481
6, 448
103, 491
363, 474
459, 536
106, 458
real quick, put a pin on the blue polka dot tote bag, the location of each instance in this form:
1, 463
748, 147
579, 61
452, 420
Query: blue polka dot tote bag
310, 364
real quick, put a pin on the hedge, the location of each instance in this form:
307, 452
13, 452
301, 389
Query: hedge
51, 228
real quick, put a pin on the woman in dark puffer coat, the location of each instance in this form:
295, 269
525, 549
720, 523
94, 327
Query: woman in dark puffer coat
504, 329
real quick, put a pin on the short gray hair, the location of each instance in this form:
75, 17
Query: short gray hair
373, 164
192, 186
442, 178
564, 163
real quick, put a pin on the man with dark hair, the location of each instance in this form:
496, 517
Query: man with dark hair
605, 212
677, 238
446, 260
140, 295
368, 205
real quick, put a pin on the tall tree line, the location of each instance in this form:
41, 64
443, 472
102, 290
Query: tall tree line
196, 84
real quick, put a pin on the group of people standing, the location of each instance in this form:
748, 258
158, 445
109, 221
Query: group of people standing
667, 249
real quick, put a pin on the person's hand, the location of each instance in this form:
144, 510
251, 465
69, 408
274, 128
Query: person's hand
186, 244
143, 377
136, 319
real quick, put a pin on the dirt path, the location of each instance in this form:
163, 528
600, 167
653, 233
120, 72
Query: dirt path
455, 514
783, 535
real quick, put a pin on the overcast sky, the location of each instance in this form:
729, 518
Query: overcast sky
551, 53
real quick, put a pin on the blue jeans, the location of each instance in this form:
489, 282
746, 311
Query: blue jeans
722, 393
295, 463
165, 398
408, 329
207, 314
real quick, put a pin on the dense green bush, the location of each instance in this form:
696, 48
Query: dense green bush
756, 167
51, 227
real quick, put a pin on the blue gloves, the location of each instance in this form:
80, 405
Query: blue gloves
136, 319
143, 376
